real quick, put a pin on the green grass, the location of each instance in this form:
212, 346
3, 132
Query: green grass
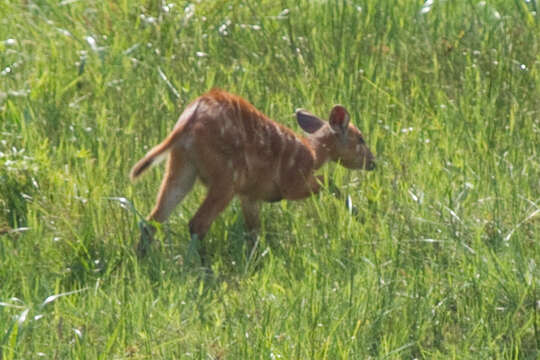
439, 260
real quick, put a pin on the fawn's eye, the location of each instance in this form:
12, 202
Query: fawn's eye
361, 140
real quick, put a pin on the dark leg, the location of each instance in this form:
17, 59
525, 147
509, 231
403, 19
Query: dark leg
217, 199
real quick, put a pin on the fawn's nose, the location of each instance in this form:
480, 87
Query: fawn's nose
371, 165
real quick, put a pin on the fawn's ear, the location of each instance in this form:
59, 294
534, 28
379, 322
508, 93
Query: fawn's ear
339, 119
308, 122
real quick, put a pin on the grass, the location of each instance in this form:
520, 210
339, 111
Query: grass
438, 260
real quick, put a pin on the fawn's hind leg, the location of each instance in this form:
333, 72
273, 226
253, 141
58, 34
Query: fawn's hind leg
177, 182
218, 197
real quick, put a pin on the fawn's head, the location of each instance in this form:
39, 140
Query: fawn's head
343, 141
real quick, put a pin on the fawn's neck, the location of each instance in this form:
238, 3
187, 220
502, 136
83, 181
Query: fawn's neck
322, 145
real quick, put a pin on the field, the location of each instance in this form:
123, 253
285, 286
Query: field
437, 255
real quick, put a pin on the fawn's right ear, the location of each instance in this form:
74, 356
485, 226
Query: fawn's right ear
308, 122
339, 119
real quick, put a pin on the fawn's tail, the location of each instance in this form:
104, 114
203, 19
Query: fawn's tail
153, 157
160, 152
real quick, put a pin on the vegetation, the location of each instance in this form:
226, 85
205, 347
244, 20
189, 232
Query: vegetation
436, 256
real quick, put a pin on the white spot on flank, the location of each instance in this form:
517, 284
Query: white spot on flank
291, 162
226, 123
292, 156
187, 142
278, 132
230, 164
358, 148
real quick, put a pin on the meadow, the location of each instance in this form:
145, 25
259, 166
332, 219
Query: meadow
435, 255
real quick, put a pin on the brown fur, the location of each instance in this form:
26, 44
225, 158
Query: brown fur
234, 149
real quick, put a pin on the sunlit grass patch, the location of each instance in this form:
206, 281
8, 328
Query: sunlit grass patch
432, 255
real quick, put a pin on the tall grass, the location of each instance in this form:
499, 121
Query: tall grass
436, 258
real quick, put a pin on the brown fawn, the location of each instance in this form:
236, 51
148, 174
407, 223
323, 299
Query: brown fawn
234, 149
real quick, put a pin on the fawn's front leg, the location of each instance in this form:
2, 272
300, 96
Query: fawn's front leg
251, 209
300, 188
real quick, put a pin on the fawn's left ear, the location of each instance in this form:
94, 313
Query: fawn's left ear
339, 119
308, 122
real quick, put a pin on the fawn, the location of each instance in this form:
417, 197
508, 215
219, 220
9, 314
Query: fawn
234, 149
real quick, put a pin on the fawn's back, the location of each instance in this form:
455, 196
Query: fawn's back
228, 137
